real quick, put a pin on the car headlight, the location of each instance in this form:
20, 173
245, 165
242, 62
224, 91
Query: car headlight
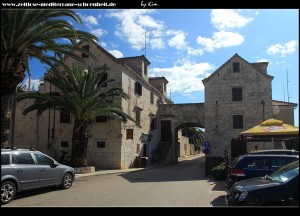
243, 196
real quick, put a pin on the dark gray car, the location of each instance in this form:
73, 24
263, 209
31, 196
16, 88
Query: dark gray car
23, 169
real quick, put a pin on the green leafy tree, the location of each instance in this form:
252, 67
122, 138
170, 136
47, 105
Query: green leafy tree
196, 136
36, 34
80, 94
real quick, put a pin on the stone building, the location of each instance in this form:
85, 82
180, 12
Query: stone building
112, 144
238, 95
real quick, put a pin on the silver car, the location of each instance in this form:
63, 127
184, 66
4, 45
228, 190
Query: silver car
26, 169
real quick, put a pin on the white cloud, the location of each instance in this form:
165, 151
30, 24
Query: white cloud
158, 58
34, 84
91, 20
133, 24
192, 51
173, 32
228, 19
220, 39
178, 41
287, 48
116, 53
98, 32
264, 60
148, 21
185, 77
157, 43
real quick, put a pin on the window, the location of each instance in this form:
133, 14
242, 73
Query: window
100, 144
64, 144
101, 118
153, 123
65, 117
145, 69
138, 117
86, 47
257, 164
103, 79
138, 88
129, 134
237, 121
151, 98
4, 159
23, 158
237, 94
43, 159
236, 67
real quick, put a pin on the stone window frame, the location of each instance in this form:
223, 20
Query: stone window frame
101, 119
129, 133
64, 117
151, 97
100, 144
138, 89
83, 55
234, 124
236, 67
234, 99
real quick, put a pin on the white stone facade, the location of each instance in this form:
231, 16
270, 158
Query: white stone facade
109, 145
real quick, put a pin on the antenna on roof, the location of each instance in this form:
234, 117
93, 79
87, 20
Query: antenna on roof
287, 85
145, 46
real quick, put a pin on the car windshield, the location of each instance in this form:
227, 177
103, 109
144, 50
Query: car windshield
286, 172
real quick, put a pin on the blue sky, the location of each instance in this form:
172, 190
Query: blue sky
186, 46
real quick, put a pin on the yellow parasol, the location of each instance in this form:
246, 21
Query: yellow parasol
271, 127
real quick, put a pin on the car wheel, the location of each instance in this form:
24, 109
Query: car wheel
67, 181
8, 192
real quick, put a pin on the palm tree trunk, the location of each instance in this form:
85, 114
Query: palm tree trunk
12, 73
79, 144
5, 119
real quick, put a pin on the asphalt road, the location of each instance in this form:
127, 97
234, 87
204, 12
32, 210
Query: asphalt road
180, 185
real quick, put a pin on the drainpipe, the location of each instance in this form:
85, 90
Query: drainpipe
263, 104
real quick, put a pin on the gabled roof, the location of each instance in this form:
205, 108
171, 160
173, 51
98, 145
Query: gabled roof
283, 103
223, 65
136, 57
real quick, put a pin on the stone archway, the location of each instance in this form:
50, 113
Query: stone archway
181, 126
181, 115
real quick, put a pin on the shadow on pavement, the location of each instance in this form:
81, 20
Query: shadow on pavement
188, 170
218, 185
219, 201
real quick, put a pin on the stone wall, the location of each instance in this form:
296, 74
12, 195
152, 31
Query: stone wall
219, 107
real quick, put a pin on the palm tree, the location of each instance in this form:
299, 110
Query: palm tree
29, 34
81, 94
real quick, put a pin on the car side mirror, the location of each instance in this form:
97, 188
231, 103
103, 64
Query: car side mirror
55, 164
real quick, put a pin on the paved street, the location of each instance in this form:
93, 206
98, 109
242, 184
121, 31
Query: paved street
177, 185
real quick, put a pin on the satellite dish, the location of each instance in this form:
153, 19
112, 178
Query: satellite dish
276, 110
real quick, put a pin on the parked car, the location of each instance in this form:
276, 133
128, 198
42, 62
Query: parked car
279, 188
23, 169
250, 166
275, 151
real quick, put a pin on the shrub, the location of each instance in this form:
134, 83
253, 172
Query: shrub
220, 171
